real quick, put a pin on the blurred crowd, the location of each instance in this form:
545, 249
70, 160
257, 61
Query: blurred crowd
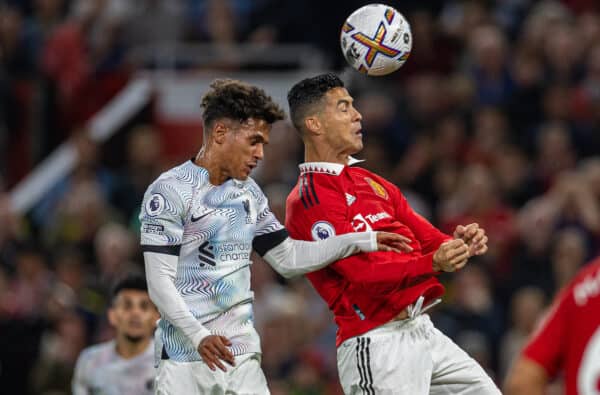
494, 119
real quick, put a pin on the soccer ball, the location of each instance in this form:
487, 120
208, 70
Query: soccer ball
376, 39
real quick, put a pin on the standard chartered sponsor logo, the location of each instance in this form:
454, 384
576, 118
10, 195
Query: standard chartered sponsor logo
232, 251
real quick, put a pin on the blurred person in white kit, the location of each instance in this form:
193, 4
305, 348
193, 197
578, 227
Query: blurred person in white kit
124, 365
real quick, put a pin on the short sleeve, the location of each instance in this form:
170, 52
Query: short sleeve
547, 345
269, 231
162, 217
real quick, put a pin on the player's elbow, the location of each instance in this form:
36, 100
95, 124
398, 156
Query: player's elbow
526, 377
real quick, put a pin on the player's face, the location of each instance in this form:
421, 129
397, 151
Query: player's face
244, 147
342, 122
133, 315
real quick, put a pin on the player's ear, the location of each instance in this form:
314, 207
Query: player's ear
112, 316
312, 124
219, 131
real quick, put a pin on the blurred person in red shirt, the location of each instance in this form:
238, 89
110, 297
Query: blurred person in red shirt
567, 341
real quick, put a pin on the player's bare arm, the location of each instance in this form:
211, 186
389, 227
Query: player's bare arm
526, 378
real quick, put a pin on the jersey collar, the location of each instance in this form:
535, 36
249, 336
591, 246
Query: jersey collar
326, 167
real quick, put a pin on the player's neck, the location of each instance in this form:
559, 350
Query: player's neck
313, 153
212, 164
128, 349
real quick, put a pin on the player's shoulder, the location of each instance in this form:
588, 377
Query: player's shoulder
250, 183
185, 174
292, 196
592, 268
96, 352
361, 171
586, 283
255, 190
179, 181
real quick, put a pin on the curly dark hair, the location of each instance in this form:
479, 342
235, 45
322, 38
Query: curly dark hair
239, 101
308, 92
132, 281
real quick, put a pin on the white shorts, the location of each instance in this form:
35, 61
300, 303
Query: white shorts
195, 378
409, 357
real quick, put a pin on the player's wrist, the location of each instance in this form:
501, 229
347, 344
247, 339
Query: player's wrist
437, 267
200, 335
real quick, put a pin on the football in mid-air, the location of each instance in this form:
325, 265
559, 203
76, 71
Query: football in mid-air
376, 39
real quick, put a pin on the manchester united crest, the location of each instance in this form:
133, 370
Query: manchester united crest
377, 188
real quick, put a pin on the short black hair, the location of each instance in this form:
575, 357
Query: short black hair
238, 101
132, 281
308, 92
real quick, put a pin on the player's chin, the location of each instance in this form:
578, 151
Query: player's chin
135, 336
242, 176
357, 145
244, 173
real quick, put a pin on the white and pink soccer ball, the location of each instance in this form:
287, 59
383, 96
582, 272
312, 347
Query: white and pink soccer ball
376, 39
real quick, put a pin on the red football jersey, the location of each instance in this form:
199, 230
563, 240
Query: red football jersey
368, 289
568, 339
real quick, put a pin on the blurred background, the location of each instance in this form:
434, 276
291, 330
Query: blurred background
495, 118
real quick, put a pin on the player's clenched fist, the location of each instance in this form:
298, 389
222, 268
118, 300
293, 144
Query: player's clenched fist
474, 236
213, 349
451, 255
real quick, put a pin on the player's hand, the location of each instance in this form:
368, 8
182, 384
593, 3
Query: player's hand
393, 242
451, 255
213, 349
474, 236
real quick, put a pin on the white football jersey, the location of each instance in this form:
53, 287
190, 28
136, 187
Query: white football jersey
100, 370
211, 229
